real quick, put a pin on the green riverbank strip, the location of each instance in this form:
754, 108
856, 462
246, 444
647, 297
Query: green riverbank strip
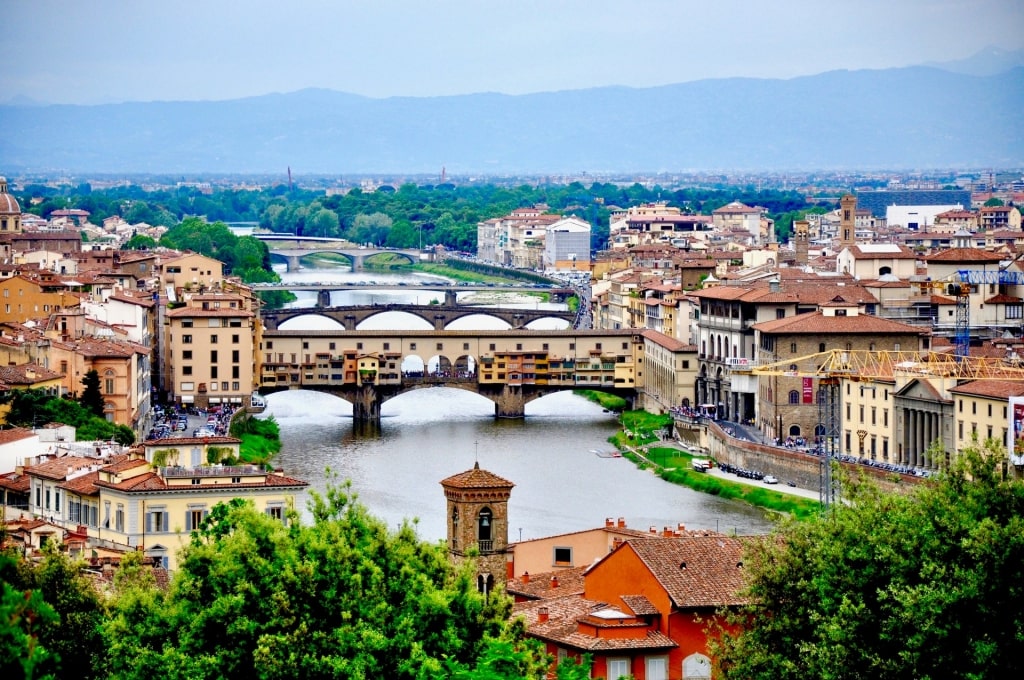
674, 465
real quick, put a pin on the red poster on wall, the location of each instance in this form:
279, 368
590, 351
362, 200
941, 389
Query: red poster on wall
808, 390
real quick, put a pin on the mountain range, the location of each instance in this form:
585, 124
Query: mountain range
906, 118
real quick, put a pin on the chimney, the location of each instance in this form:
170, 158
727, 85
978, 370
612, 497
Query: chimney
542, 614
554, 581
680, 527
774, 286
667, 532
622, 522
654, 530
526, 577
608, 523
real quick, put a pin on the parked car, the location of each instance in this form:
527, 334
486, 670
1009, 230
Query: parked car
770, 479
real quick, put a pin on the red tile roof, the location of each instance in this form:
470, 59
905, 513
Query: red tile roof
476, 479
695, 571
816, 323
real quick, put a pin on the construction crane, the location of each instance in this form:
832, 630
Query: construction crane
829, 368
1004, 276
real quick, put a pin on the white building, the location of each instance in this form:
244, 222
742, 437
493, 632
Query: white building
567, 245
916, 217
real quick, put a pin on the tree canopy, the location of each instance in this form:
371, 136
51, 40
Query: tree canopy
344, 597
927, 584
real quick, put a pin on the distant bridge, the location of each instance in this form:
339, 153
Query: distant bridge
438, 315
511, 368
292, 248
450, 290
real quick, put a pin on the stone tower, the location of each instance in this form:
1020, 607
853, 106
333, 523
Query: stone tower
847, 221
478, 519
801, 234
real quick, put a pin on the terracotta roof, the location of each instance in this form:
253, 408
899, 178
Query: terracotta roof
695, 571
666, 341
539, 586
964, 255
60, 468
84, 485
998, 389
14, 434
1002, 298
640, 605
562, 627
476, 479
125, 463
151, 481
15, 481
818, 324
27, 374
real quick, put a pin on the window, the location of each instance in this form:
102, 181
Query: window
186, 323
213, 339
235, 339
188, 386
157, 521
213, 356
387, 345
792, 348
821, 347
194, 517
465, 346
213, 371
412, 346
186, 355
108, 386
794, 397
235, 372
563, 557
186, 339
235, 355
186, 370
618, 668
657, 667
235, 386
119, 518
275, 510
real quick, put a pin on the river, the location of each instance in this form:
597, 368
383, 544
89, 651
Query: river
426, 435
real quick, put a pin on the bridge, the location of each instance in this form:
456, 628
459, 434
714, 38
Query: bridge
450, 290
511, 367
438, 315
292, 248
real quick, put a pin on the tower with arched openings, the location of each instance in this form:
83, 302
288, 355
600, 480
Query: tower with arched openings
477, 512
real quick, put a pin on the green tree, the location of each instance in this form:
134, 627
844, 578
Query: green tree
343, 597
139, 242
994, 203
926, 584
91, 397
370, 228
323, 222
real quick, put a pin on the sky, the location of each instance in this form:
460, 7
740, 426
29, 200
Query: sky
102, 51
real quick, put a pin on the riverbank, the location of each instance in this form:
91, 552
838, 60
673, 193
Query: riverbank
673, 462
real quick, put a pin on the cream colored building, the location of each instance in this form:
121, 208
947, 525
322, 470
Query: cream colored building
981, 411
209, 345
669, 372
190, 272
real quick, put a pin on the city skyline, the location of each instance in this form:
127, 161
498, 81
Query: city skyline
91, 53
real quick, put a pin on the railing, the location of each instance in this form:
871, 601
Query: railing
486, 546
210, 471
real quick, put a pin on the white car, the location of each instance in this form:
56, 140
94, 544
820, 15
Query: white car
770, 479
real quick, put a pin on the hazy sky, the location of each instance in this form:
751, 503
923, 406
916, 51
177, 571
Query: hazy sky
91, 51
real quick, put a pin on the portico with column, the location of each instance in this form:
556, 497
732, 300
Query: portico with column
924, 416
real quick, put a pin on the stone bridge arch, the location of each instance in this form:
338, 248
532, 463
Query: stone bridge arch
438, 316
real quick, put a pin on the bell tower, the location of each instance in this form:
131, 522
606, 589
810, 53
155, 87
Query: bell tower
477, 512
847, 221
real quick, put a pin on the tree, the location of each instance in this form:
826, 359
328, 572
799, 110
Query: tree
370, 228
92, 398
139, 242
925, 584
994, 203
344, 597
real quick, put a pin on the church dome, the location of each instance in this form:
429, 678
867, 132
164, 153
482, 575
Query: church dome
8, 203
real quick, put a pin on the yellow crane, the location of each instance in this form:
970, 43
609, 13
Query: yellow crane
832, 366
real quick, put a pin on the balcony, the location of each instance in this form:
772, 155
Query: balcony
211, 471
486, 547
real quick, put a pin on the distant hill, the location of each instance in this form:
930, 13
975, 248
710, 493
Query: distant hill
916, 117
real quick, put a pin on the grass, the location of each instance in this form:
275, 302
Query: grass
605, 400
261, 438
675, 466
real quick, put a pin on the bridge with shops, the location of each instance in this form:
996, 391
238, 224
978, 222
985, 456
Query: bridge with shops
510, 367
439, 316
292, 249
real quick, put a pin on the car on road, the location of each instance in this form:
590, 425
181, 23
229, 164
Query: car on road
770, 479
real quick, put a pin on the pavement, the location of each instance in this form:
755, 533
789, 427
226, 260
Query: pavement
781, 487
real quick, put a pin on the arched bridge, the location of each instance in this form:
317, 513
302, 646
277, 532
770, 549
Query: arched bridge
439, 316
357, 256
511, 368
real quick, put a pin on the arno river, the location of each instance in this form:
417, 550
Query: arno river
562, 485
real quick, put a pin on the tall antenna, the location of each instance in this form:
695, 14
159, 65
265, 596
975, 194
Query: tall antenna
289, 178
476, 451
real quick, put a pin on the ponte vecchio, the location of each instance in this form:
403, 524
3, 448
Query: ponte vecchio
509, 367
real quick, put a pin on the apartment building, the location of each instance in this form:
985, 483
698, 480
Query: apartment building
209, 345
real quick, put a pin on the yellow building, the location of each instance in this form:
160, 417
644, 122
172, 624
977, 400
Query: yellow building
190, 271
22, 298
154, 508
669, 372
209, 350
981, 409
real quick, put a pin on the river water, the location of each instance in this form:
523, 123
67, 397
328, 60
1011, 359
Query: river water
562, 484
